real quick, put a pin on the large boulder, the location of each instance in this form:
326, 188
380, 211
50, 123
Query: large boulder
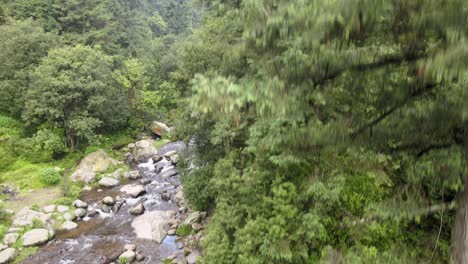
36, 237
25, 217
159, 128
95, 162
153, 225
7, 255
143, 150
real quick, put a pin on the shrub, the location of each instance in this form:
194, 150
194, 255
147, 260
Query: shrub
49, 176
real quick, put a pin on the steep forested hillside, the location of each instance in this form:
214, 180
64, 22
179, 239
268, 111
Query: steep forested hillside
324, 131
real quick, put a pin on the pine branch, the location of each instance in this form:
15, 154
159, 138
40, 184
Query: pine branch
417, 93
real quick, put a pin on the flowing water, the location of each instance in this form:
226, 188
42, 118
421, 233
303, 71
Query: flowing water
101, 239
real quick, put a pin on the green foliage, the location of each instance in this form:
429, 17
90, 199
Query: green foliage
184, 230
123, 260
50, 176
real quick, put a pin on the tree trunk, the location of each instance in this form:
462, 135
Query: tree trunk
460, 236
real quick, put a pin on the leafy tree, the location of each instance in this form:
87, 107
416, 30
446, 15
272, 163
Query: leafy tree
68, 86
23, 45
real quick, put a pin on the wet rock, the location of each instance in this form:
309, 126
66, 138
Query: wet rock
10, 239
134, 175
69, 217
203, 215
197, 227
62, 208
159, 128
153, 225
108, 200
80, 204
105, 209
169, 173
179, 196
128, 255
180, 245
80, 212
117, 206
138, 210
133, 190
139, 257
92, 213
165, 196
192, 257
171, 232
174, 159
118, 174
26, 216
144, 150
182, 209
193, 217
156, 158
170, 153
130, 247
36, 237
145, 181
95, 162
69, 225
49, 208
87, 188
7, 255
108, 182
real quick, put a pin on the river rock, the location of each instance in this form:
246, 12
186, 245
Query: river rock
2, 247
108, 200
192, 257
87, 188
165, 196
69, 217
108, 182
36, 237
174, 158
105, 209
80, 212
117, 174
144, 150
153, 225
80, 204
62, 208
131, 146
138, 210
128, 255
69, 225
25, 217
91, 164
129, 247
134, 175
159, 128
169, 173
171, 232
156, 158
192, 218
170, 153
133, 190
139, 257
145, 181
92, 213
197, 227
10, 239
7, 255
49, 208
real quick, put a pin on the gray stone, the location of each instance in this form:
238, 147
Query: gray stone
80, 212
170, 153
169, 173
87, 188
145, 181
144, 150
192, 257
92, 213
193, 217
129, 256
131, 146
153, 225
7, 255
2, 247
129, 247
10, 239
108, 200
108, 182
156, 158
171, 232
139, 257
49, 208
138, 210
80, 204
133, 190
69, 217
134, 175
36, 237
159, 128
197, 227
175, 158
95, 162
117, 174
25, 217
69, 225
105, 209
62, 208
165, 196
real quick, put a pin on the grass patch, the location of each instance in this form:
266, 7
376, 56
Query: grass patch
184, 230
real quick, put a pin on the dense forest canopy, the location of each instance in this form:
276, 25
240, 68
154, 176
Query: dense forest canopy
325, 131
